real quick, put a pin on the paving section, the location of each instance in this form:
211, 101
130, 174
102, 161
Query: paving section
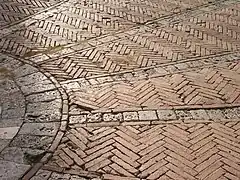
105, 90
31, 111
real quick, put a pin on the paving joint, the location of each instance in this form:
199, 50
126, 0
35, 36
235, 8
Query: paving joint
124, 90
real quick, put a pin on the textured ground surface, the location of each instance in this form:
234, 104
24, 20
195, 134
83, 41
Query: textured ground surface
119, 89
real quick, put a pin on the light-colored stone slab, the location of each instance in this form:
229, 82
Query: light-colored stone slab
4, 143
147, 115
11, 170
166, 115
8, 133
48, 129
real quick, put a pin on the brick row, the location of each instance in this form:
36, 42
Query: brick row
204, 86
86, 20
184, 151
203, 35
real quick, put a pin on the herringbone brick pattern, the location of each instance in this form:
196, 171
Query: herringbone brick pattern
141, 11
173, 151
206, 34
202, 86
197, 36
142, 83
12, 11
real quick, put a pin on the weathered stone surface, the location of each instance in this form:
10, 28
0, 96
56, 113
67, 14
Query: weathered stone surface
216, 114
77, 119
9, 62
33, 142
45, 85
4, 143
44, 106
8, 132
42, 175
59, 175
232, 113
8, 86
183, 114
150, 89
21, 155
31, 79
45, 96
13, 113
11, 170
147, 115
44, 116
94, 117
25, 143
166, 115
128, 116
8, 122
113, 117
24, 70
12, 100
41, 129
200, 114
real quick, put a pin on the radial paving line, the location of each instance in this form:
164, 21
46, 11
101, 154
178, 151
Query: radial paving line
42, 120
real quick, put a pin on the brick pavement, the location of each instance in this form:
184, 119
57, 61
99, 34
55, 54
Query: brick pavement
14, 11
216, 84
207, 150
107, 89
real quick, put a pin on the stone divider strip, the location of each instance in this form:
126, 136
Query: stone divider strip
145, 122
214, 113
